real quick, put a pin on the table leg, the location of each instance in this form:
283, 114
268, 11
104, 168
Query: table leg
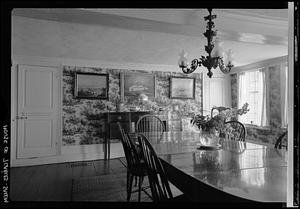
108, 149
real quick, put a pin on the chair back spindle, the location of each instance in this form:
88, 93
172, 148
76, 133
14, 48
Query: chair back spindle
281, 141
158, 180
235, 130
152, 127
135, 164
129, 150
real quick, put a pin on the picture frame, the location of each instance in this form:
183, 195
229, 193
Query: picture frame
182, 87
133, 84
91, 86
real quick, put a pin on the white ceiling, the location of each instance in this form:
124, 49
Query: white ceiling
181, 16
253, 34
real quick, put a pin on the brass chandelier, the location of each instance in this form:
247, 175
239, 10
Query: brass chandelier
214, 50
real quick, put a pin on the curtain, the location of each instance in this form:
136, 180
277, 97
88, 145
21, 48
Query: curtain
260, 110
242, 94
284, 93
263, 99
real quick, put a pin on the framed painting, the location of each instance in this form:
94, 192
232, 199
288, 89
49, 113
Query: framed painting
91, 86
133, 84
182, 88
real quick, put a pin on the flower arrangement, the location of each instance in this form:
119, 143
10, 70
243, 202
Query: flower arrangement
216, 123
232, 113
208, 124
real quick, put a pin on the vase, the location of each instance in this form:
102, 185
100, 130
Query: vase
211, 131
209, 137
119, 107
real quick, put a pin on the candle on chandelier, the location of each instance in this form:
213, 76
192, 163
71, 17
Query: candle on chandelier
217, 51
182, 62
230, 57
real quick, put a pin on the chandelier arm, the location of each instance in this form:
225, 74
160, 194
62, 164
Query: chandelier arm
194, 64
224, 69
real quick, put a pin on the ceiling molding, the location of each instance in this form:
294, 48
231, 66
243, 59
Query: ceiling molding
59, 61
260, 64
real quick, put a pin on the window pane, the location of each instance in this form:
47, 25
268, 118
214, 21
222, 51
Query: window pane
253, 95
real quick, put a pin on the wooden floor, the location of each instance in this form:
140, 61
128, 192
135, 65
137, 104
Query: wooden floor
95, 181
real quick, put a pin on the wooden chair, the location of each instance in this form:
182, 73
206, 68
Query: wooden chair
281, 141
152, 127
136, 167
235, 130
158, 180
217, 110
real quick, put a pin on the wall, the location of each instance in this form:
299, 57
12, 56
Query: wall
234, 88
79, 126
275, 95
36, 37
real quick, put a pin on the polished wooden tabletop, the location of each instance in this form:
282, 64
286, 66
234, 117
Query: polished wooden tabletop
242, 169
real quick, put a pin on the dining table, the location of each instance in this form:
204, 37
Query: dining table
232, 172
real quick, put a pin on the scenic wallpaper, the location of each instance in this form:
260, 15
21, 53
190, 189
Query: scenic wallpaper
83, 119
84, 122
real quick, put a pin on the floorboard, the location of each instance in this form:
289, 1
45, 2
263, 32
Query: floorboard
30, 191
18, 179
46, 189
58, 185
102, 167
82, 169
91, 181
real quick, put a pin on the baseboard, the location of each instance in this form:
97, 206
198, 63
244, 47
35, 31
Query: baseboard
73, 154
56, 159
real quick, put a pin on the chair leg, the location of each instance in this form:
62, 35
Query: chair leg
140, 187
129, 185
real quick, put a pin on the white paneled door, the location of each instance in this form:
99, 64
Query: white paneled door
37, 111
216, 92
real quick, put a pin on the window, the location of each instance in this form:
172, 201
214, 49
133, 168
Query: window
252, 90
266, 91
